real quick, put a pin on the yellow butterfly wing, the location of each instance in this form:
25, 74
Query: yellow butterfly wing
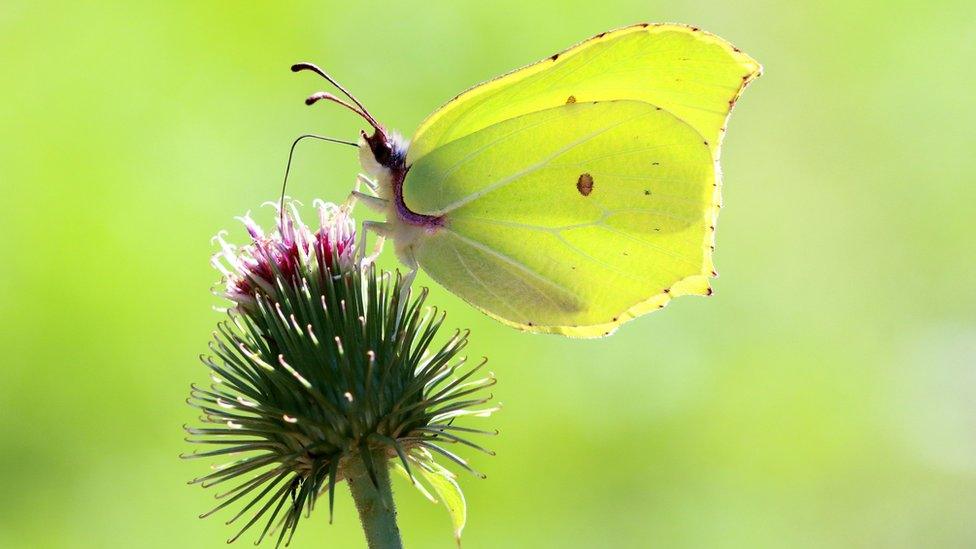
690, 73
583, 190
570, 220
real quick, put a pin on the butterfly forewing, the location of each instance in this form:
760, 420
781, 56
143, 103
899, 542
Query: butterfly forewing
692, 74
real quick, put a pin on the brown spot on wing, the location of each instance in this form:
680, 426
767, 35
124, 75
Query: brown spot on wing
571, 99
584, 184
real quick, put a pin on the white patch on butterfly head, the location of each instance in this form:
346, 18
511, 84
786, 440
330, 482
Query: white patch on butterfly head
376, 171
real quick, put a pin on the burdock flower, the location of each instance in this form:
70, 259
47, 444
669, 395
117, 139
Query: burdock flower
328, 371
253, 270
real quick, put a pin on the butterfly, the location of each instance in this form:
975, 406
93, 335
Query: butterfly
573, 194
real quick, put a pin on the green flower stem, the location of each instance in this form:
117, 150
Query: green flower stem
376, 509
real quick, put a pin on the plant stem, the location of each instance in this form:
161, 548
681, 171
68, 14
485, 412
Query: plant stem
376, 509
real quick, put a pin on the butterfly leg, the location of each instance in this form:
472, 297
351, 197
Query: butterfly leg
382, 230
374, 203
371, 201
370, 184
411, 263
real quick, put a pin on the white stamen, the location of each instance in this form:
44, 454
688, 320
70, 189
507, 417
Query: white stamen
216, 238
215, 261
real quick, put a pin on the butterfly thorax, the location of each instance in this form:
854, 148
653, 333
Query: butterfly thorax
384, 158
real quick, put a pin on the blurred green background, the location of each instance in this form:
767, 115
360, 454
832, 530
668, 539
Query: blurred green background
824, 397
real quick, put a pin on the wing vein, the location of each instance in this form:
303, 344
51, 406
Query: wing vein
598, 222
480, 281
477, 152
518, 265
599, 262
533, 168
652, 247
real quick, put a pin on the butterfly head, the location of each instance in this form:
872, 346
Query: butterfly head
386, 150
380, 152
383, 155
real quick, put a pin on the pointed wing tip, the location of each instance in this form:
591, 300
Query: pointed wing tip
755, 69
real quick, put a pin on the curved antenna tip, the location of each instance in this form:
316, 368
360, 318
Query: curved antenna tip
318, 96
315, 97
359, 107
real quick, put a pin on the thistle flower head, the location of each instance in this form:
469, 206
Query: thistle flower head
325, 367
286, 254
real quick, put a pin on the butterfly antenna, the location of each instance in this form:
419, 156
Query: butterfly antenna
326, 96
362, 111
291, 154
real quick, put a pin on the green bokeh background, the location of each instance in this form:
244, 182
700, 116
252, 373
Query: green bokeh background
824, 397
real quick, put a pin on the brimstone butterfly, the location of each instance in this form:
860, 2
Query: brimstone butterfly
571, 195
